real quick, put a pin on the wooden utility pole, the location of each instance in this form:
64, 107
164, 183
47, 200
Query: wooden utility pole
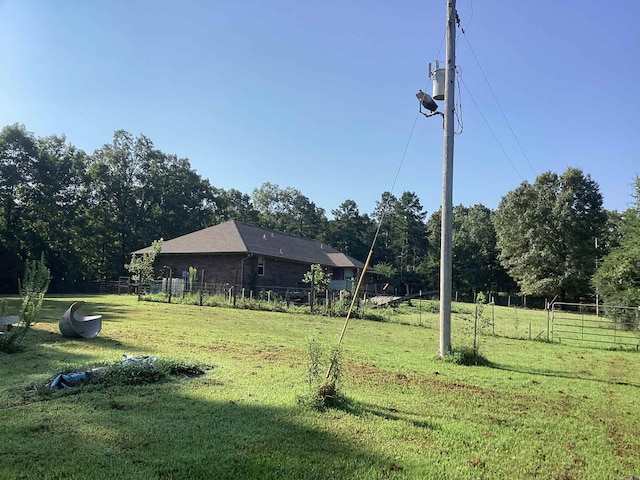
447, 183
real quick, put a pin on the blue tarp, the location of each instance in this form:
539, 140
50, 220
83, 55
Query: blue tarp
67, 380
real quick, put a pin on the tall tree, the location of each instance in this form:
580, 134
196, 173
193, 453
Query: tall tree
476, 266
18, 155
402, 241
350, 231
430, 265
289, 211
234, 205
382, 214
546, 233
475, 263
56, 210
173, 198
140, 194
409, 232
617, 278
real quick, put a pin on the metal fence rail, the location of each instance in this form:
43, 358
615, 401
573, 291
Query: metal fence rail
613, 325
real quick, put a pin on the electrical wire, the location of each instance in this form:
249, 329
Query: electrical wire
504, 115
375, 238
380, 221
458, 106
492, 131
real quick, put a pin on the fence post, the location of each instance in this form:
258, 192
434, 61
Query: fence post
475, 332
548, 320
493, 318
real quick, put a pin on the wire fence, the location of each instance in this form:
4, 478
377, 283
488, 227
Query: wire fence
175, 290
561, 322
614, 325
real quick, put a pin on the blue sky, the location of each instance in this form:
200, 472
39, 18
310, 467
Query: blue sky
320, 96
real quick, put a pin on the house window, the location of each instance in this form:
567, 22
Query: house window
260, 266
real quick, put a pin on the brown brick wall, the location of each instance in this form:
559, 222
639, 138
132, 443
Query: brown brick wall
278, 272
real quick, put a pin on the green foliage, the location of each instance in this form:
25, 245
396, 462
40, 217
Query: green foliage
323, 391
387, 271
193, 273
525, 416
546, 233
482, 322
145, 372
350, 231
431, 306
124, 374
129, 374
465, 356
481, 298
617, 279
288, 210
141, 267
32, 289
314, 351
340, 307
317, 277
402, 241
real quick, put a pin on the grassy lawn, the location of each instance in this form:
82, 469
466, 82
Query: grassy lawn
540, 410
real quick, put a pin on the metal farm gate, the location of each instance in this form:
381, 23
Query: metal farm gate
613, 325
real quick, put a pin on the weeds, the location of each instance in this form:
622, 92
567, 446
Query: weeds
133, 371
32, 289
322, 393
465, 356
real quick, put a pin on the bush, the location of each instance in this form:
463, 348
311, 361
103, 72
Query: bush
32, 289
465, 356
133, 371
323, 391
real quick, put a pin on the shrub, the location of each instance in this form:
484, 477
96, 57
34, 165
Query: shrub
323, 391
32, 289
465, 356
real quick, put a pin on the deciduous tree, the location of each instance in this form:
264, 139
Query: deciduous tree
546, 233
617, 279
289, 211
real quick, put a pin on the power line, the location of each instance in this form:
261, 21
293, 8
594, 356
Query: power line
504, 115
373, 243
492, 132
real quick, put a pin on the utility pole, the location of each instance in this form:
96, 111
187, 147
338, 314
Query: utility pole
447, 183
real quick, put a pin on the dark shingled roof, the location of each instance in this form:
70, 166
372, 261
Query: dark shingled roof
236, 237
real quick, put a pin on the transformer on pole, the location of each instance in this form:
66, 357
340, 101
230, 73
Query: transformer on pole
447, 182
444, 89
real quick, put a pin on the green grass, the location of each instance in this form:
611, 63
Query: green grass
539, 410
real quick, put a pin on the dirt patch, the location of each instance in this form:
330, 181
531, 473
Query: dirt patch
382, 377
218, 347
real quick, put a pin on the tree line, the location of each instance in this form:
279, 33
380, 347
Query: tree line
88, 212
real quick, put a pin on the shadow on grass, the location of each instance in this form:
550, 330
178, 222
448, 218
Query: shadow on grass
556, 374
362, 409
54, 306
154, 432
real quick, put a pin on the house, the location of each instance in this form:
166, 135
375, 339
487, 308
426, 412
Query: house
254, 258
